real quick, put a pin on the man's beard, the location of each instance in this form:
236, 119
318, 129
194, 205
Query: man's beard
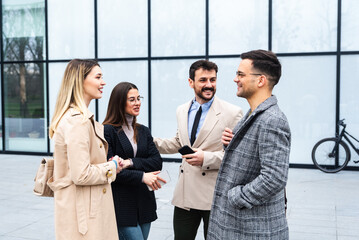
200, 95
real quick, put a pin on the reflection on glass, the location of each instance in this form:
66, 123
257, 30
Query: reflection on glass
170, 89
350, 25
71, 29
349, 102
237, 26
1, 135
169, 78
304, 26
25, 107
306, 95
23, 30
130, 21
178, 27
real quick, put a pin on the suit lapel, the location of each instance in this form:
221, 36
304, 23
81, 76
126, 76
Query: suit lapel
99, 132
183, 124
124, 142
141, 143
208, 124
241, 126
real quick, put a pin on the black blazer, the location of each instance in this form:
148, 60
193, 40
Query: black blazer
134, 203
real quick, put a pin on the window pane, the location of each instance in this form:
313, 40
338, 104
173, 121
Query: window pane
56, 73
130, 21
71, 29
304, 26
169, 90
237, 26
306, 95
25, 115
350, 25
226, 87
134, 72
349, 102
178, 27
23, 30
1, 135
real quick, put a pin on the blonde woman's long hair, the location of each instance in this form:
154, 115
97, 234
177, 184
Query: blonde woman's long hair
71, 90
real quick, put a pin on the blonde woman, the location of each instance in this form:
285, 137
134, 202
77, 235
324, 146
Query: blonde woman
83, 199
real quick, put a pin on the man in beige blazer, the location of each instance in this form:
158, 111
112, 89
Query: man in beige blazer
198, 172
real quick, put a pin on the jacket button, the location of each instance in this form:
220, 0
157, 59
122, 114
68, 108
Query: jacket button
104, 190
181, 170
203, 174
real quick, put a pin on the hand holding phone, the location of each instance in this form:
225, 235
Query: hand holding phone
194, 160
185, 150
163, 178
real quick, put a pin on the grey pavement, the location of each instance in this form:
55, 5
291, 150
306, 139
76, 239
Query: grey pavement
320, 206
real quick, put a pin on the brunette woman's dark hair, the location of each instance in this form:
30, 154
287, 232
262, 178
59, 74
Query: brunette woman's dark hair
115, 115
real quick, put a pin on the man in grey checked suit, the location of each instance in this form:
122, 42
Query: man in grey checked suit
249, 199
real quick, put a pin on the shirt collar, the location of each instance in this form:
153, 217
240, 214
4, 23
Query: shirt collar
205, 106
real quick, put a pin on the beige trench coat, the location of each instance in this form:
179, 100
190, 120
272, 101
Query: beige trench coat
83, 199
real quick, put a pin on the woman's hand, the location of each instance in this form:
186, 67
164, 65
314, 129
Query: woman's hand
152, 180
119, 163
127, 163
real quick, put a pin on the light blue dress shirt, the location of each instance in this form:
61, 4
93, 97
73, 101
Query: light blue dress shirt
192, 114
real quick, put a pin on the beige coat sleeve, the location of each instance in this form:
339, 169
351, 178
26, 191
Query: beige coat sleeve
168, 145
78, 137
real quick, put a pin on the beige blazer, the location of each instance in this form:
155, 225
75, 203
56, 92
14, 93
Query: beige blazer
195, 184
83, 199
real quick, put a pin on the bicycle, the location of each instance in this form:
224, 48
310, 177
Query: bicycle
331, 155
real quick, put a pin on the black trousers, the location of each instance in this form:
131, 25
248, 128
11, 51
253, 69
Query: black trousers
186, 223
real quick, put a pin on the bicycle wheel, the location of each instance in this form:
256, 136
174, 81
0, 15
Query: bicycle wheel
324, 159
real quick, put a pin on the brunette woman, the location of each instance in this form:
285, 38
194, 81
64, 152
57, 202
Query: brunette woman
135, 204
82, 176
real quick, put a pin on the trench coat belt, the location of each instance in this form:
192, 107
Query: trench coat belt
80, 202
80, 211
58, 184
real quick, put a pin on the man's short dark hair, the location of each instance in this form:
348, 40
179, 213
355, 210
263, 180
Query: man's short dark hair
204, 64
265, 62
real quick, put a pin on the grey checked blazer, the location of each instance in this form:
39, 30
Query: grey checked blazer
249, 194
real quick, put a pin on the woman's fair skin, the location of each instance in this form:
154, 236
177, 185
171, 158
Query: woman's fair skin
93, 85
133, 106
133, 103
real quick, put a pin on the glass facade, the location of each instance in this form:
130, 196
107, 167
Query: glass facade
304, 26
71, 30
24, 76
153, 43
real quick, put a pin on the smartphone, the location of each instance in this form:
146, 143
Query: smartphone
185, 150
165, 175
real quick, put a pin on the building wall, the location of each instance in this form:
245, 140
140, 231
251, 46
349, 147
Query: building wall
153, 43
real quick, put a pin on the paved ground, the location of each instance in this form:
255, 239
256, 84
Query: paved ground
321, 206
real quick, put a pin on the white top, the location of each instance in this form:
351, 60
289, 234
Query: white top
129, 133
